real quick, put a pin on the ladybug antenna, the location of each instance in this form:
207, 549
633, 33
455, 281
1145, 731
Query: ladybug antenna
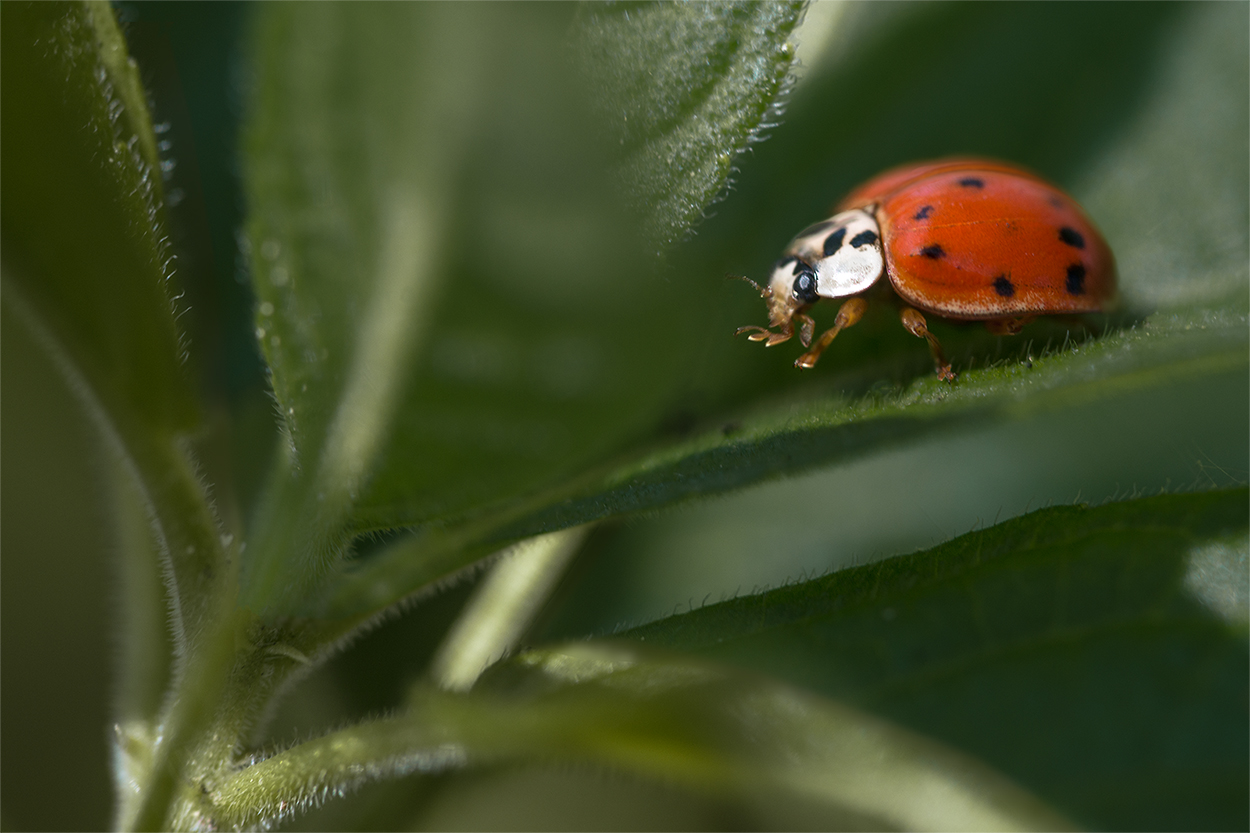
758, 288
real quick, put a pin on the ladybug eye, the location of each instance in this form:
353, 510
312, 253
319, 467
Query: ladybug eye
805, 287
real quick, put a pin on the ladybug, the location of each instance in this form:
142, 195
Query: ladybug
967, 239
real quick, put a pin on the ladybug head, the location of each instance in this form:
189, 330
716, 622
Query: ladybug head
790, 290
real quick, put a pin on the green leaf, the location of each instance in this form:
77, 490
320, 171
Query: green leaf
798, 434
684, 88
788, 758
85, 248
87, 269
448, 282
1096, 656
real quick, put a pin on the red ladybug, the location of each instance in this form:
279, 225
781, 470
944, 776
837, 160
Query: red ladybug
969, 239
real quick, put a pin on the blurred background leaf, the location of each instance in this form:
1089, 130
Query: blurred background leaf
90, 309
89, 273
781, 759
86, 260
543, 336
447, 282
56, 626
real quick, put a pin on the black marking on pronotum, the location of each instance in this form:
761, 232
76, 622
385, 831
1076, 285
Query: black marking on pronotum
785, 261
816, 228
933, 251
805, 287
800, 266
1072, 237
972, 182
834, 241
1076, 280
1003, 286
864, 238
923, 213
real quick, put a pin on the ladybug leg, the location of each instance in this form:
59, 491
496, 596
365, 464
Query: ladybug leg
848, 314
764, 334
1008, 326
807, 330
915, 324
757, 333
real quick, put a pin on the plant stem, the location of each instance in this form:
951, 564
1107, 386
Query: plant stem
503, 606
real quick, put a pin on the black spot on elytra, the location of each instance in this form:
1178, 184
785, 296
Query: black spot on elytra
923, 213
815, 229
1072, 237
805, 287
972, 182
933, 251
834, 241
1055, 201
1003, 286
1076, 280
864, 238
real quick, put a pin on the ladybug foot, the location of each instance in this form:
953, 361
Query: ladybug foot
915, 324
757, 333
763, 334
